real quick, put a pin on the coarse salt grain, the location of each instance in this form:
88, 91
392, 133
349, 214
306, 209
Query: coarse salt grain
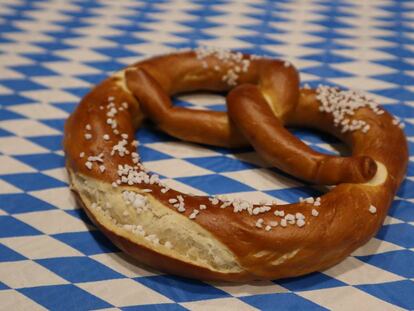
343, 105
273, 223
372, 209
299, 216
106, 137
279, 213
214, 201
259, 223
88, 136
300, 222
194, 214
315, 213
234, 62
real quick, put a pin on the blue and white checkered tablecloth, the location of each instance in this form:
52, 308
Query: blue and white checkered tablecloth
52, 52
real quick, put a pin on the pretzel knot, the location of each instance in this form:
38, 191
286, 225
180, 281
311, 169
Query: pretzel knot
217, 238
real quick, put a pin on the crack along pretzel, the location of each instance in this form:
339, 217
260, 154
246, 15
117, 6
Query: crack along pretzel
214, 238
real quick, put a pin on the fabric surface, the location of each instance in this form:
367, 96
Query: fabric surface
52, 52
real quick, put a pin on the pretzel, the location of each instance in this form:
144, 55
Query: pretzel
214, 238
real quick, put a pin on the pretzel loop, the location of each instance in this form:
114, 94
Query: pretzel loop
250, 111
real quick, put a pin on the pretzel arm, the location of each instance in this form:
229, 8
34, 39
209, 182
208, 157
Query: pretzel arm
199, 126
266, 133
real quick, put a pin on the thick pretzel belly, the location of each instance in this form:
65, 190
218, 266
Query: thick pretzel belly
234, 240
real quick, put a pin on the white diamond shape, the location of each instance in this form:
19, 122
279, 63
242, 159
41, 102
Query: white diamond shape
226, 42
150, 48
59, 197
10, 165
18, 145
6, 74
262, 179
123, 292
89, 42
6, 188
58, 173
39, 111
53, 221
365, 54
123, 264
4, 90
363, 68
252, 288
184, 188
27, 273
61, 82
81, 54
51, 96
363, 83
40, 246
28, 128
71, 68
222, 304
347, 298
20, 48
182, 149
161, 37
173, 168
13, 300
203, 99
352, 271
375, 246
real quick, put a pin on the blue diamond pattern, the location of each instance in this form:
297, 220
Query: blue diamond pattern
64, 297
283, 301
180, 289
323, 39
87, 269
89, 243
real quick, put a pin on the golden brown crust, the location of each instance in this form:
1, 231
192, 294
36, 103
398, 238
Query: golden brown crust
267, 99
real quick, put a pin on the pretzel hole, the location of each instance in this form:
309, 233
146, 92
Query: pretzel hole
201, 169
201, 101
319, 141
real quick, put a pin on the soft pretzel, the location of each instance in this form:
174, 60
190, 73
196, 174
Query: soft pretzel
214, 238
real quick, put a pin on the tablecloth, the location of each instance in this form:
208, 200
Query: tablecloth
52, 52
